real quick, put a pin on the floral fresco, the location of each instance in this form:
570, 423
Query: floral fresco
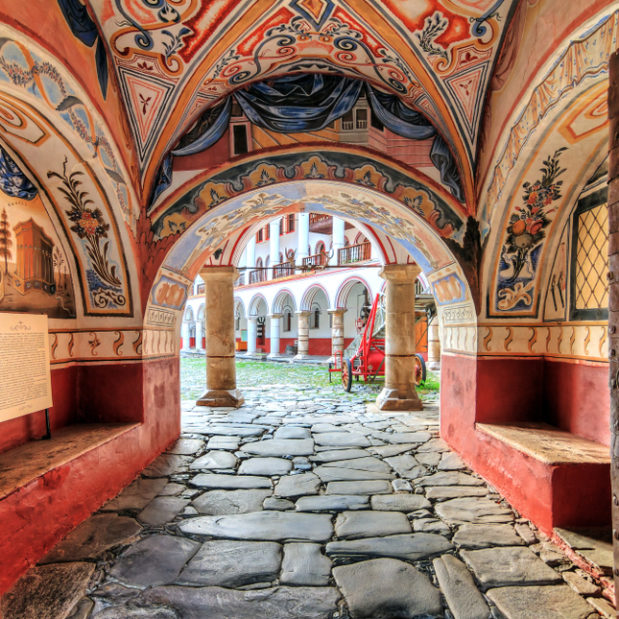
525, 235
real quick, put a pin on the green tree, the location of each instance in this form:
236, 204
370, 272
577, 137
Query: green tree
5, 240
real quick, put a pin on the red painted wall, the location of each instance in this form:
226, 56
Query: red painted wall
507, 390
18, 431
320, 346
577, 398
38, 515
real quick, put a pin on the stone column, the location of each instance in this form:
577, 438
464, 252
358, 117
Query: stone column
275, 323
273, 245
252, 331
339, 226
337, 331
399, 391
303, 335
303, 237
434, 345
219, 320
613, 297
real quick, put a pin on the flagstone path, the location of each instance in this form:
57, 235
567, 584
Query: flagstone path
302, 505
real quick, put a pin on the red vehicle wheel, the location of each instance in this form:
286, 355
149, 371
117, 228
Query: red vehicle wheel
420, 370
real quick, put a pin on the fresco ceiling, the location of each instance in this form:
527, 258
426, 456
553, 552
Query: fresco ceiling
175, 58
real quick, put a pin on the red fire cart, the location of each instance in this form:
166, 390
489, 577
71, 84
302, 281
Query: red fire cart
365, 357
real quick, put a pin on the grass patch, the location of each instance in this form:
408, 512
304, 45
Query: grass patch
306, 377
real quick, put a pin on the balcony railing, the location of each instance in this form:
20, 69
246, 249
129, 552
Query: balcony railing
256, 277
354, 253
283, 269
315, 260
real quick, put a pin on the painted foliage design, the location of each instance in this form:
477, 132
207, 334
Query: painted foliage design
88, 223
525, 235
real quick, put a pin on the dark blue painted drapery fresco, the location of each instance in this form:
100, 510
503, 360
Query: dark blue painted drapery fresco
310, 103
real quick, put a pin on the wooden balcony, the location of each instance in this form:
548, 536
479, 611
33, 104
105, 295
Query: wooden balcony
283, 269
354, 253
255, 277
315, 261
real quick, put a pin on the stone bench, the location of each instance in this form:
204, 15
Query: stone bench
557, 479
33, 460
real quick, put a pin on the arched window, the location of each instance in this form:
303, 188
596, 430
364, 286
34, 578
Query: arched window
287, 318
315, 316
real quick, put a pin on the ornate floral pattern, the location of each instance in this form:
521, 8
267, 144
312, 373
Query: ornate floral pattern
525, 234
91, 228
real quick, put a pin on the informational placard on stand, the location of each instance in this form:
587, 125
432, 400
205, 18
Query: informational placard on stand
25, 379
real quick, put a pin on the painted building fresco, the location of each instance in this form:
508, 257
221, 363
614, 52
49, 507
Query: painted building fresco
34, 271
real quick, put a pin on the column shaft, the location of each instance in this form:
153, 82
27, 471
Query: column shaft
303, 335
339, 226
275, 323
252, 333
303, 242
434, 344
337, 331
273, 245
399, 391
219, 321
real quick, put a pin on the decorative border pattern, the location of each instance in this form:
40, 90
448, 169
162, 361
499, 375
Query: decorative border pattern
104, 345
342, 166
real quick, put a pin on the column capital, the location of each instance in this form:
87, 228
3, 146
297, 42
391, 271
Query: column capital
337, 310
303, 313
404, 273
219, 273
275, 315
253, 318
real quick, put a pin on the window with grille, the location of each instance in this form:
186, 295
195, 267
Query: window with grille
589, 278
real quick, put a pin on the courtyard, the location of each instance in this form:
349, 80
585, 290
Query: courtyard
305, 502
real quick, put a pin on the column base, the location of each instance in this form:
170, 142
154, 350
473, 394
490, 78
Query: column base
390, 400
221, 397
300, 356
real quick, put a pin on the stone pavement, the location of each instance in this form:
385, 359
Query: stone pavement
305, 507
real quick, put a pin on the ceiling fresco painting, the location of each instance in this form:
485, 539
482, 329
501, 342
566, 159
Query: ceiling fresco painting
173, 59
29, 73
583, 62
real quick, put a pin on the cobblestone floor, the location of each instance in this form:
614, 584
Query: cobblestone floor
305, 505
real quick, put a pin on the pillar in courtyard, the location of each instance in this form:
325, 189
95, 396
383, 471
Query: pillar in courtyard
303, 335
275, 322
613, 297
303, 242
434, 345
339, 240
337, 331
399, 391
274, 244
219, 321
252, 334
